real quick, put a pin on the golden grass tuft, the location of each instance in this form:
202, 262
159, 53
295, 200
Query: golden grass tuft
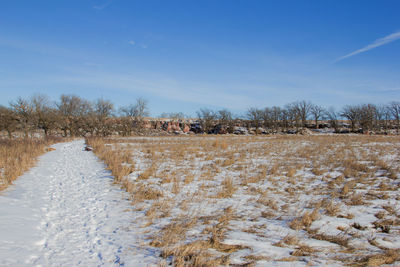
332, 208
228, 188
303, 250
289, 240
338, 239
291, 172
305, 220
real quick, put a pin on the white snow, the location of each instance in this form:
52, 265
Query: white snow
67, 212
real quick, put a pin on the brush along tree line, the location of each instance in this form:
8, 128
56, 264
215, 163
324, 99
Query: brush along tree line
74, 116
70, 116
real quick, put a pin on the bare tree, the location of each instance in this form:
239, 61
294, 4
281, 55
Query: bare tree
351, 113
141, 109
317, 112
272, 117
23, 111
126, 119
267, 118
44, 113
75, 115
302, 108
285, 118
8, 121
394, 108
333, 118
255, 116
225, 118
103, 110
367, 116
275, 116
292, 116
207, 119
134, 113
383, 116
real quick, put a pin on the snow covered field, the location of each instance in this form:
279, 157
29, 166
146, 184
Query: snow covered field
207, 201
266, 201
67, 212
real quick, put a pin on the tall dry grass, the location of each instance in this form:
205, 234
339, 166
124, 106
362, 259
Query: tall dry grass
118, 162
19, 155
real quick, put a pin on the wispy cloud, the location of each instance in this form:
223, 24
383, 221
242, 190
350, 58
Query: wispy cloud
102, 6
140, 45
379, 42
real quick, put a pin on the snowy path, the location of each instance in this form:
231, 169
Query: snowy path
66, 212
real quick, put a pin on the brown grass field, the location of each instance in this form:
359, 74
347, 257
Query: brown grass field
262, 200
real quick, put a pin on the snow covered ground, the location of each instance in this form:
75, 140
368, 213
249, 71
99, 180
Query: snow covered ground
67, 212
326, 200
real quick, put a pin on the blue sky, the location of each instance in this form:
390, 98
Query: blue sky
187, 55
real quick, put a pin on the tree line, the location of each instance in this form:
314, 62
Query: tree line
72, 115
300, 114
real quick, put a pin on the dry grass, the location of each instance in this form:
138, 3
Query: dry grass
119, 163
332, 208
197, 253
305, 220
228, 188
386, 257
19, 155
288, 240
197, 194
338, 239
303, 250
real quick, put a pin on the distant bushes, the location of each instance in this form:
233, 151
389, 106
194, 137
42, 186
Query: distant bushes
75, 116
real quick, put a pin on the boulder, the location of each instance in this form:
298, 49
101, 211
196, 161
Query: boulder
185, 128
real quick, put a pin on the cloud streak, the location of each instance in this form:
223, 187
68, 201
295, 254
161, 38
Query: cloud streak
100, 7
379, 42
